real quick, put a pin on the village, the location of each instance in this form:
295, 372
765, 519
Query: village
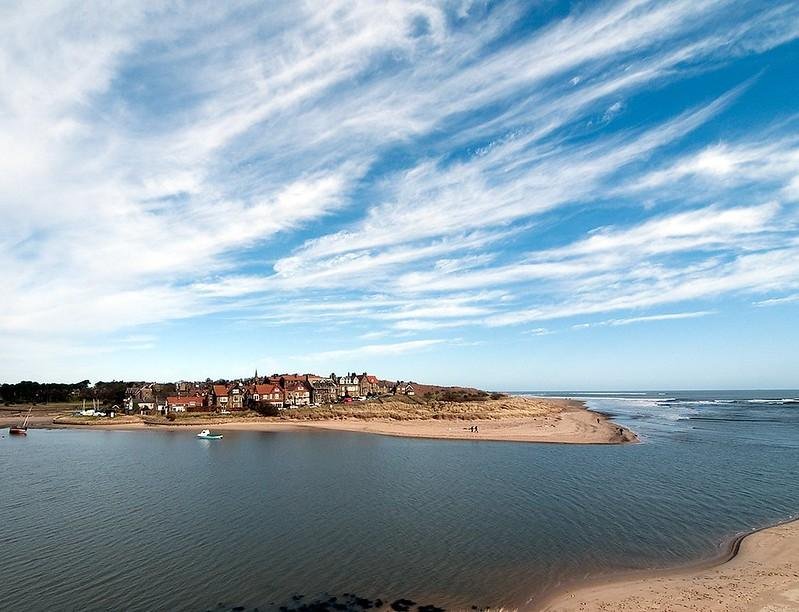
264, 394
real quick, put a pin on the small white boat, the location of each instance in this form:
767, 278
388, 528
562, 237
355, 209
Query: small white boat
206, 434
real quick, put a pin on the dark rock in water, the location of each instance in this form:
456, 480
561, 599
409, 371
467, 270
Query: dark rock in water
362, 602
430, 608
402, 605
378, 603
238, 609
297, 597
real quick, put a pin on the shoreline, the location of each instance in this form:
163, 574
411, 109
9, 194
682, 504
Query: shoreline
757, 572
553, 421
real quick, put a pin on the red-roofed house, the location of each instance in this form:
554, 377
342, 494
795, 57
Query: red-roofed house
369, 384
188, 403
267, 395
220, 396
298, 393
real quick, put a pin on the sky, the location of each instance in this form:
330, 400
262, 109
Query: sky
511, 195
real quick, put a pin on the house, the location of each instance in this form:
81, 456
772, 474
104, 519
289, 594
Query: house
146, 407
324, 391
267, 394
237, 395
298, 393
403, 388
369, 385
138, 394
348, 386
188, 403
287, 378
220, 397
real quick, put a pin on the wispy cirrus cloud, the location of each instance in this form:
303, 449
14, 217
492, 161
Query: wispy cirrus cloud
670, 316
402, 167
788, 299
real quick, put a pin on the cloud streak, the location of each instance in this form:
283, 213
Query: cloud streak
399, 168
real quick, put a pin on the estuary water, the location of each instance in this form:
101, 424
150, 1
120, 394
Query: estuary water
154, 520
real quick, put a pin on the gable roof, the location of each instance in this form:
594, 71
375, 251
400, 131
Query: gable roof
220, 390
295, 385
196, 400
267, 389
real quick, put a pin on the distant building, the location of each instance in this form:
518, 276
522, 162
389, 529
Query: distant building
348, 386
324, 391
188, 403
368, 384
237, 395
298, 393
219, 394
403, 388
143, 408
267, 394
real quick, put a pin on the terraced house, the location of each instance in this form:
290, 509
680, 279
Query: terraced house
187, 403
219, 397
297, 393
348, 386
324, 391
267, 394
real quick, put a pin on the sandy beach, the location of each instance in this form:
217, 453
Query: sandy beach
572, 425
762, 575
513, 419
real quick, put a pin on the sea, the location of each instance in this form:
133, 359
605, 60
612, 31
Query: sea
323, 520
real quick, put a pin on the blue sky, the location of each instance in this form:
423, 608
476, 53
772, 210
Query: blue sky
513, 195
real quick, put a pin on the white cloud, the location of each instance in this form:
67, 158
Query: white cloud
539, 331
150, 174
788, 299
647, 319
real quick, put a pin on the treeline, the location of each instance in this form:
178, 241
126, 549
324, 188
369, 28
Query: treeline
31, 392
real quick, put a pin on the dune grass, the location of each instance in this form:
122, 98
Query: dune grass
403, 409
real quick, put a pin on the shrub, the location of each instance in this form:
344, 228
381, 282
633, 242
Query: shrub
267, 410
171, 416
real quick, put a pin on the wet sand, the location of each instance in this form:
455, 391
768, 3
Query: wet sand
761, 575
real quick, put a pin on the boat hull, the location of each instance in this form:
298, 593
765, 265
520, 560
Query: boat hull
217, 437
18, 431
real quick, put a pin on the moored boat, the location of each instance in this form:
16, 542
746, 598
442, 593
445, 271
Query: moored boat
21, 430
206, 434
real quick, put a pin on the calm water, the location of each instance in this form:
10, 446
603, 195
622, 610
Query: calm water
160, 520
